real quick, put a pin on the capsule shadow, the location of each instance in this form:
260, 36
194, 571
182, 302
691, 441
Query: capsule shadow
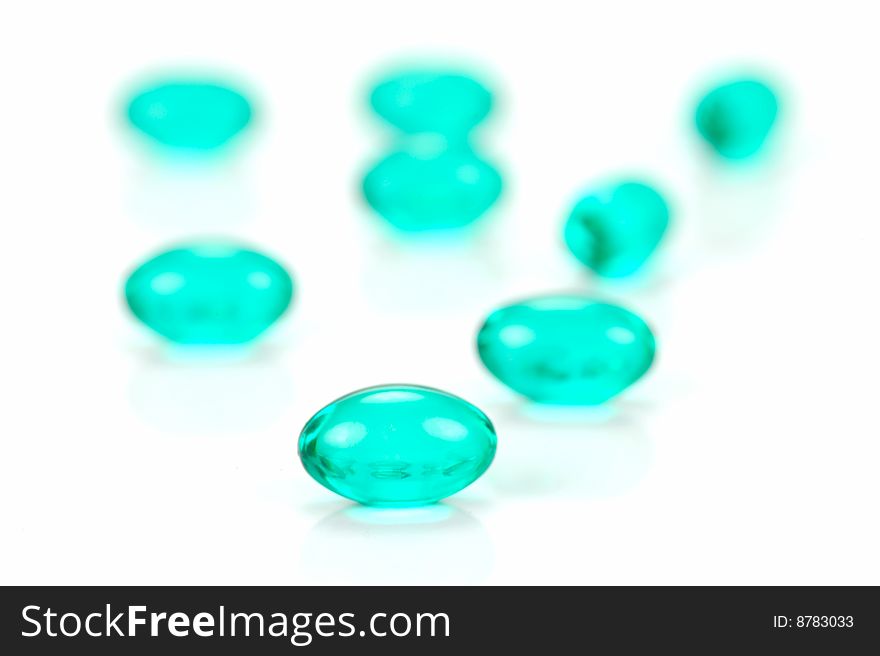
431, 276
210, 390
568, 452
435, 544
737, 204
185, 198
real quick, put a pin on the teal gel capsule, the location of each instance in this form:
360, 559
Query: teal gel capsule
614, 230
446, 103
211, 293
435, 190
566, 350
190, 115
397, 445
736, 118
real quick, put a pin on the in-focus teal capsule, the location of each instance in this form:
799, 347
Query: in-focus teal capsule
397, 445
444, 102
209, 293
432, 188
567, 350
737, 117
191, 114
615, 229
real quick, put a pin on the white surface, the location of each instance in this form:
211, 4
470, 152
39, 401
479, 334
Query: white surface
748, 455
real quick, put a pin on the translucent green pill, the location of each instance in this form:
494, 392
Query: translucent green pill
190, 114
736, 118
397, 445
432, 189
566, 349
615, 229
210, 293
446, 103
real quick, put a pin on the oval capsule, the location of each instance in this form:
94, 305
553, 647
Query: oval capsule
432, 188
397, 445
190, 114
615, 229
442, 102
566, 349
209, 293
737, 117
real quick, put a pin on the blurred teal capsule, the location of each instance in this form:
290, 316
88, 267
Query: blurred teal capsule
432, 101
190, 115
736, 118
209, 293
615, 229
442, 189
397, 445
566, 349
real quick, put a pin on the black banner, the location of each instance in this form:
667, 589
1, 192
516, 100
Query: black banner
333, 620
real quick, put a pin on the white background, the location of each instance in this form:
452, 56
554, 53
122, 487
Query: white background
749, 454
